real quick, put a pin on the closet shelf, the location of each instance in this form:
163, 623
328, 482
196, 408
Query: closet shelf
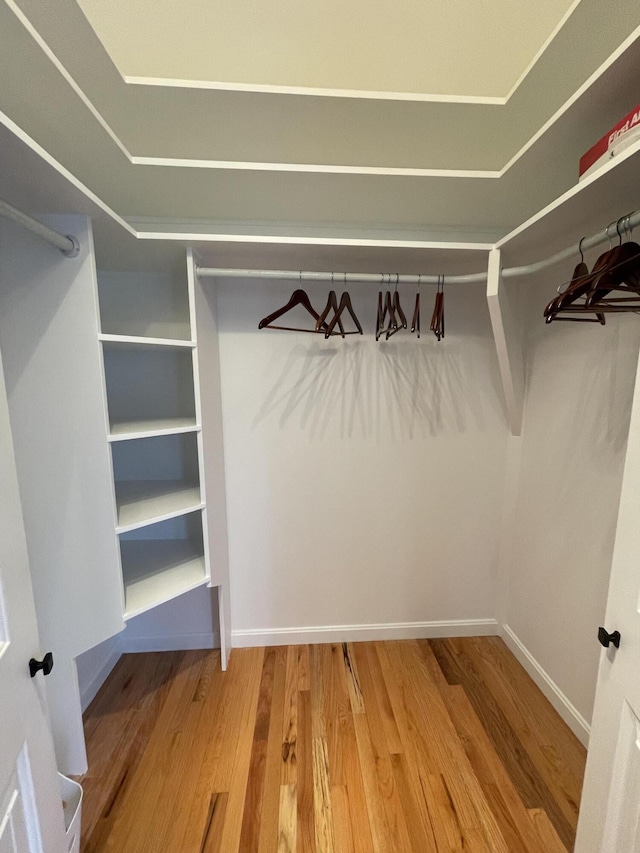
588, 206
143, 502
157, 570
124, 430
140, 342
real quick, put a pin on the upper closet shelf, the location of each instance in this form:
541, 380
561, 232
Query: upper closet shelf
144, 305
589, 206
138, 341
124, 430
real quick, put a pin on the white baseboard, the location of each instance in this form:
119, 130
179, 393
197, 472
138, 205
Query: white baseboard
355, 633
168, 643
90, 690
569, 713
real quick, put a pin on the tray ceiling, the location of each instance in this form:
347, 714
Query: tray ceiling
192, 160
417, 47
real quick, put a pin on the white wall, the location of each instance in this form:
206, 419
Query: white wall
186, 622
577, 408
364, 480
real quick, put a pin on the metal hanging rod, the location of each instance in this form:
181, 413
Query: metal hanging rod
337, 277
626, 224
67, 244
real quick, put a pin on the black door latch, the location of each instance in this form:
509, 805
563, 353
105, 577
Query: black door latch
606, 638
46, 665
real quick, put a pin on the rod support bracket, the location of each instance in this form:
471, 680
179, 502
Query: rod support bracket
74, 250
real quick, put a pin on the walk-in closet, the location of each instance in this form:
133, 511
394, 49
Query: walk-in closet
319, 417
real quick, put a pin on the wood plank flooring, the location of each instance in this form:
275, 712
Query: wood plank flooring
420, 746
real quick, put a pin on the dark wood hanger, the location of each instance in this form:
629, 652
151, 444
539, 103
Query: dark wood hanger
401, 320
415, 322
578, 286
617, 270
298, 297
345, 304
397, 317
332, 305
385, 309
437, 318
390, 314
381, 315
621, 274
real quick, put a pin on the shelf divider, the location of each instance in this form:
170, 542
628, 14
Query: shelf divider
135, 341
146, 429
144, 502
155, 571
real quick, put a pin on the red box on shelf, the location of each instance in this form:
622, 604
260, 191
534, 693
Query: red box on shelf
603, 149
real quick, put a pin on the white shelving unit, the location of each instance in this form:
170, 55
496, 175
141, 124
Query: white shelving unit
155, 479
204, 319
161, 561
145, 501
147, 306
152, 396
148, 388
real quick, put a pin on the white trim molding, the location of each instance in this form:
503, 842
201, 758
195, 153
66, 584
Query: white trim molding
317, 91
362, 633
566, 709
317, 168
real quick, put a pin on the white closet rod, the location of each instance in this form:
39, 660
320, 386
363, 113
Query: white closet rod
67, 244
626, 224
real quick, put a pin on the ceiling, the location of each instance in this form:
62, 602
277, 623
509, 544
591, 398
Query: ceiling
415, 47
229, 166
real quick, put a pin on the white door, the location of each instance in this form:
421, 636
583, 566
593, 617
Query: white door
610, 808
30, 807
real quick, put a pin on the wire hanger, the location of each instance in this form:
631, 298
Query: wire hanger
298, 297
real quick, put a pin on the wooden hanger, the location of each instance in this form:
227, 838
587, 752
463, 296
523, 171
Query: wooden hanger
298, 297
578, 286
397, 317
437, 318
415, 322
390, 312
345, 304
332, 304
622, 273
616, 270
585, 287
382, 310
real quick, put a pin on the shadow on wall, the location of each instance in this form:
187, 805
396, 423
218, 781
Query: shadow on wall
580, 388
399, 391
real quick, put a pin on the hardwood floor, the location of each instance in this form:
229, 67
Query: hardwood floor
427, 745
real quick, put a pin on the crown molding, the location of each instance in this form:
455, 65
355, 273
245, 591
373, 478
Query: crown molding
173, 83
